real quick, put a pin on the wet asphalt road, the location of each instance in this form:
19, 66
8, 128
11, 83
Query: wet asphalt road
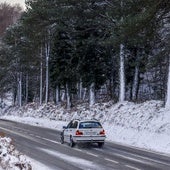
43, 145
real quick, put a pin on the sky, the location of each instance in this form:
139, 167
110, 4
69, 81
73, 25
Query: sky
21, 2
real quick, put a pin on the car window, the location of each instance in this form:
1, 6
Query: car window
74, 124
90, 124
70, 124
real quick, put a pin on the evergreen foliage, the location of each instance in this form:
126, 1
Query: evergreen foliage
84, 38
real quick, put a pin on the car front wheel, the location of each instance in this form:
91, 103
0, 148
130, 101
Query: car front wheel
62, 138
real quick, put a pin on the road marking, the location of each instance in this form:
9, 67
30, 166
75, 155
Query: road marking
37, 136
78, 149
133, 159
132, 167
50, 140
142, 149
30, 136
76, 161
141, 159
110, 160
91, 154
19, 134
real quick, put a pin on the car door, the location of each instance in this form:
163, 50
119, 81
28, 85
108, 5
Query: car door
70, 130
67, 132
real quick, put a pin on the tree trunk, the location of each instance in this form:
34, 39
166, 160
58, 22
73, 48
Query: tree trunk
57, 95
122, 75
20, 89
47, 52
14, 96
135, 82
26, 91
41, 79
92, 94
167, 102
80, 89
68, 98
84, 93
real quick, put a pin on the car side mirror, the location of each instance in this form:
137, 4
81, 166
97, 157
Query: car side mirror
64, 127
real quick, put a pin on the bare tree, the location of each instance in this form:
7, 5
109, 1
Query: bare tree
8, 16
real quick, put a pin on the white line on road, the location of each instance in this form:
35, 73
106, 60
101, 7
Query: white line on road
27, 136
132, 167
91, 154
76, 161
133, 159
110, 160
37, 136
149, 160
78, 149
49, 140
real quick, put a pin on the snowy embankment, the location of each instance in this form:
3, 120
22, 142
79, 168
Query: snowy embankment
10, 158
145, 125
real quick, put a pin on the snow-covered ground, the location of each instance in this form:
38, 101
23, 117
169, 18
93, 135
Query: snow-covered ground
144, 125
10, 158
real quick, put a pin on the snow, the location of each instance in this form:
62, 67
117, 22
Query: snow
143, 125
10, 158
37, 165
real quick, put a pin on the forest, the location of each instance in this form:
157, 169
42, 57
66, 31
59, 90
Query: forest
69, 51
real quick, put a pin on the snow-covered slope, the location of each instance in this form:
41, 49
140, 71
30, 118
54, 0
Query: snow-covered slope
10, 158
145, 125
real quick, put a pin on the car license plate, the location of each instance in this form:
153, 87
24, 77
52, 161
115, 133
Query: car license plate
90, 133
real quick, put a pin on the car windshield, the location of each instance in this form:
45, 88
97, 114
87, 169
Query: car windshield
90, 124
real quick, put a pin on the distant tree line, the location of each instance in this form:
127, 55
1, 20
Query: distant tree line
8, 16
88, 50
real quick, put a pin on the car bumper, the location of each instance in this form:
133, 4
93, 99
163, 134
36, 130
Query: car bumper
89, 139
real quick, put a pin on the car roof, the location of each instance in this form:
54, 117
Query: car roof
86, 120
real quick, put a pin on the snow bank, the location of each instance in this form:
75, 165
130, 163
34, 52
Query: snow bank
10, 158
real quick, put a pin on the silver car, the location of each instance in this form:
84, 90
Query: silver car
86, 131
